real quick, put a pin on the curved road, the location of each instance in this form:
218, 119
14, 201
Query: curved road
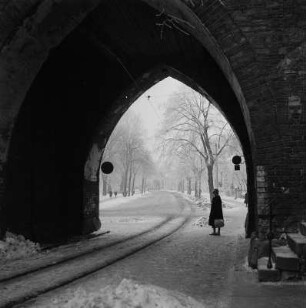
131, 215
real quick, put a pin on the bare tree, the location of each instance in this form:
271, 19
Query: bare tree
132, 145
111, 153
174, 161
192, 121
147, 169
194, 167
126, 148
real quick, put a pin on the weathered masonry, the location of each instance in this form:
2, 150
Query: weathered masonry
70, 68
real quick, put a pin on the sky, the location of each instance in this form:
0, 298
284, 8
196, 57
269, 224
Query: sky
151, 105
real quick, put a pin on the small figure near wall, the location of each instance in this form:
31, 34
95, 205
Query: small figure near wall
216, 214
246, 199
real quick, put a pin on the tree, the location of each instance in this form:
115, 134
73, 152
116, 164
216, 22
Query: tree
193, 167
111, 154
146, 168
192, 122
127, 150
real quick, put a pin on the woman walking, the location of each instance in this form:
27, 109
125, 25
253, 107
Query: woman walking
216, 213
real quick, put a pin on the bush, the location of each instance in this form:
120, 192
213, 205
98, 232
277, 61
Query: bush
16, 247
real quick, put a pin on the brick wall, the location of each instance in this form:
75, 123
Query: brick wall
276, 32
28, 30
91, 221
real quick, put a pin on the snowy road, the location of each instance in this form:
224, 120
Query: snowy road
152, 218
132, 215
156, 204
189, 263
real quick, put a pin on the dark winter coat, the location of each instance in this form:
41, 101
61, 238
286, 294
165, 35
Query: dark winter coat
215, 210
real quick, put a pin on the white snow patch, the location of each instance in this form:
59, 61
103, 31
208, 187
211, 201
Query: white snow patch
16, 246
199, 202
204, 202
128, 294
201, 222
246, 267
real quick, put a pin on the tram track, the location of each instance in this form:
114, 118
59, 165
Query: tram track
37, 267
27, 285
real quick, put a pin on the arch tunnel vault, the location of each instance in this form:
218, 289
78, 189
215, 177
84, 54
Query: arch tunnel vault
81, 91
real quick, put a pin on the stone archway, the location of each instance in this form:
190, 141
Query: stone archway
78, 84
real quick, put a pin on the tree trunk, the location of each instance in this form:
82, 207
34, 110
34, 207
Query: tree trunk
122, 183
210, 169
143, 183
125, 179
189, 185
195, 187
104, 185
130, 180
200, 184
133, 183
141, 186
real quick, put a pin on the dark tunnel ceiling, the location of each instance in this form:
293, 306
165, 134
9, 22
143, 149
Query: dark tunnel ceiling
126, 33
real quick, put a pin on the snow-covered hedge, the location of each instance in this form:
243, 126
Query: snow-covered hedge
200, 202
16, 246
201, 222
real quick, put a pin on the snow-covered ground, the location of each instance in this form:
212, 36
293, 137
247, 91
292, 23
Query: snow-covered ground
128, 294
108, 202
204, 201
16, 246
228, 202
189, 265
189, 269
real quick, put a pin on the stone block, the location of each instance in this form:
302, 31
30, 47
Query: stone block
259, 248
302, 227
262, 184
285, 259
260, 168
290, 276
265, 274
261, 173
261, 179
297, 242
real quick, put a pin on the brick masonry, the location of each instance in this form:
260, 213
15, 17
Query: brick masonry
260, 47
91, 221
274, 89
